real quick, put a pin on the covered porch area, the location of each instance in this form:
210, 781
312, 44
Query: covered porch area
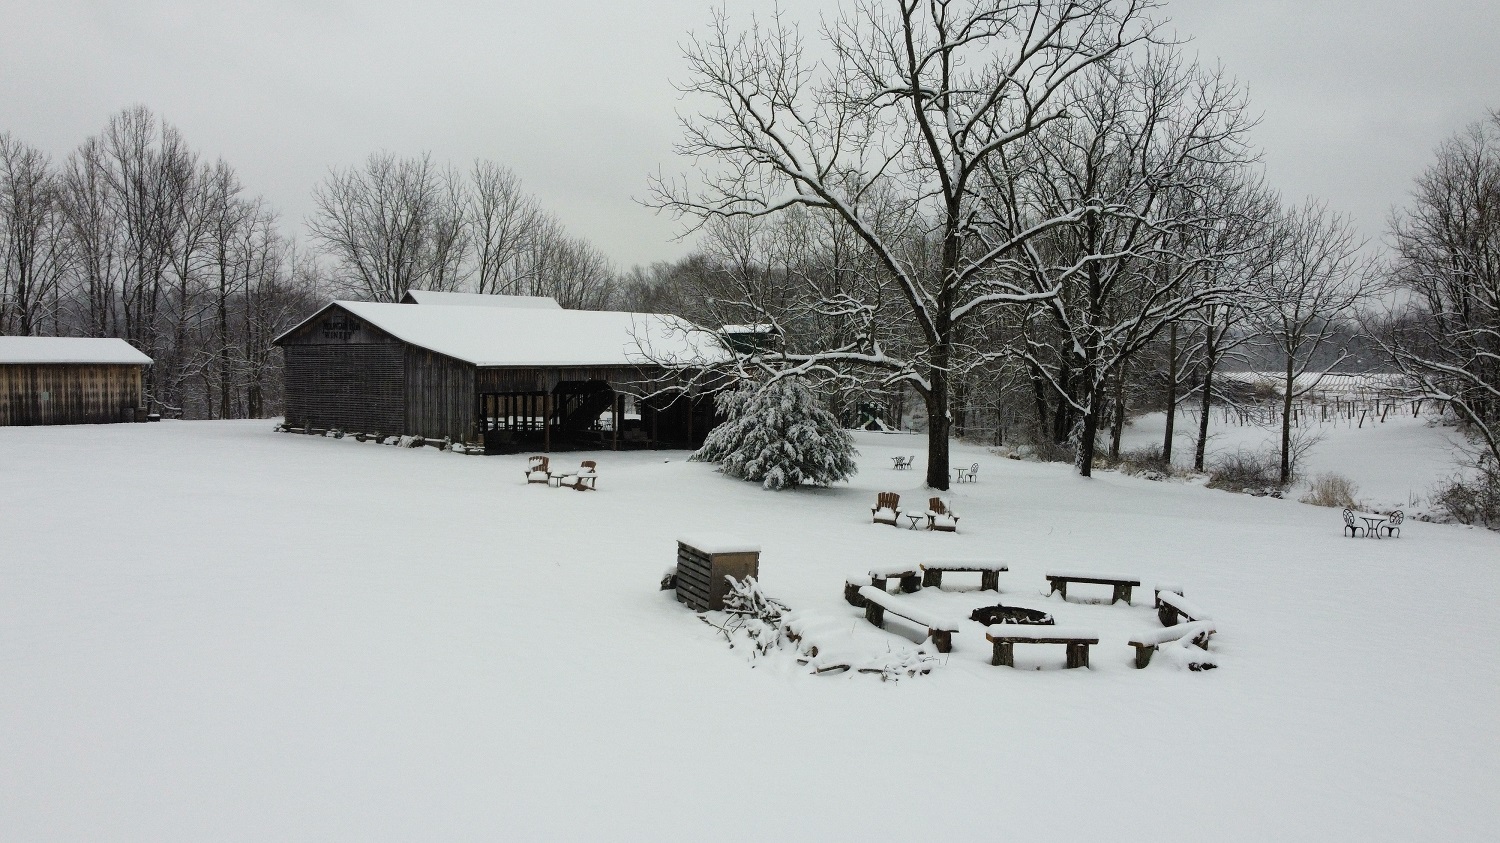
585, 410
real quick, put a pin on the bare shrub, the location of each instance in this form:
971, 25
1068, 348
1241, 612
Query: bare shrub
1472, 498
1147, 462
1331, 489
1046, 450
1246, 471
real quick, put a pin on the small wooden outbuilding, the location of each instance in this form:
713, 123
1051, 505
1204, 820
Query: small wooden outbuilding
70, 380
506, 378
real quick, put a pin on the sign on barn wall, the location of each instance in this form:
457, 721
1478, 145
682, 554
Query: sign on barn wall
341, 327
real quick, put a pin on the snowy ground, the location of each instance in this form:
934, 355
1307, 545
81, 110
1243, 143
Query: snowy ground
209, 631
1395, 463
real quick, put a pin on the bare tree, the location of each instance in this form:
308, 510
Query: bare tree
393, 225
98, 257
1219, 325
570, 270
893, 137
502, 221
1314, 278
1446, 338
34, 251
1152, 146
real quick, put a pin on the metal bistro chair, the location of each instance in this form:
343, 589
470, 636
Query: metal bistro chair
1353, 529
1392, 526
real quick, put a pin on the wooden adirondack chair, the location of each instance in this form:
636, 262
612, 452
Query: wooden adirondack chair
586, 476
940, 517
887, 508
536, 470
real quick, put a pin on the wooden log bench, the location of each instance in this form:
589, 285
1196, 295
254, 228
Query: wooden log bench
1006, 636
1170, 608
911, 580
1122, 584
1146, 643
852, 585
1160, 587
878, 603
989, 572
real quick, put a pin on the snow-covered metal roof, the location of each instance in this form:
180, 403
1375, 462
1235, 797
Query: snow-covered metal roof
501, 336
43, 350
481, 300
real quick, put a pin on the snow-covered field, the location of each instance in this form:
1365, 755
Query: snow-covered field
1395, 463
209, 631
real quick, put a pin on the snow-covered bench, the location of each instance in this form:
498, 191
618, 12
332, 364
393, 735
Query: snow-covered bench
988, 570
852, 585
1122, 584
939, 629
1006, 636
1146, 643
1170, 606
911, 581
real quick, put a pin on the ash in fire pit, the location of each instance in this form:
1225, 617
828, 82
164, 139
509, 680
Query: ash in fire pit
999, 613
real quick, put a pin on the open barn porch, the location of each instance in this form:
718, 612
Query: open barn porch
591, 415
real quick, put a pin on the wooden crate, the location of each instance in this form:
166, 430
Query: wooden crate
704, 561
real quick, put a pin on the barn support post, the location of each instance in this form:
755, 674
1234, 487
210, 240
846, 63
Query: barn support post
619, 413
547, 423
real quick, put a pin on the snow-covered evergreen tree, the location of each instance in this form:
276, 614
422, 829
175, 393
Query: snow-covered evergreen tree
778, 435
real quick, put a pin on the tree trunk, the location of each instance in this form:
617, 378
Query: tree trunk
1166, 440
1117, 426
1086, 440
960, 407
1286, 423
999, 416
1062, 415
937, 422
1039, 395
1204, 406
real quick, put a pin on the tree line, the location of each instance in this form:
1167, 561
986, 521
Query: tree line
136, 235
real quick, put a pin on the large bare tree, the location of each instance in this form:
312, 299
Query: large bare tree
1315, 275
34, 251
893, 135
1153, 147
1446, 338
393, 225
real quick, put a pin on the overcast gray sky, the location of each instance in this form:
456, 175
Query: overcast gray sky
576, 97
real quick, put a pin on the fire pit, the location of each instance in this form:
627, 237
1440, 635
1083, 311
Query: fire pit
1000, 613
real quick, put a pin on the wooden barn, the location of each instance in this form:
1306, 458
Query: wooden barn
70, 380
505, 378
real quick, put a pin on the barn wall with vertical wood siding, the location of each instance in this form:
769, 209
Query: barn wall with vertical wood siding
343, 373
440, 397
68, 393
